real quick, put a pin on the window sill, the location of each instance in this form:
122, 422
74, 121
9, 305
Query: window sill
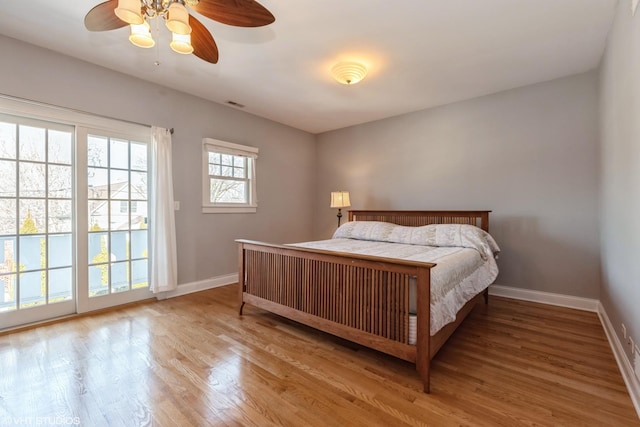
228, 210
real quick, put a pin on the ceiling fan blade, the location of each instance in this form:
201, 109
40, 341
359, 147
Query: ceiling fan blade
204, 46
239, 13
103, 17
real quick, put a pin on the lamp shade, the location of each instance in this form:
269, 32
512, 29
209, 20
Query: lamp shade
340, 199
181, 43
141, 35
348, 73
130, 11
178, 20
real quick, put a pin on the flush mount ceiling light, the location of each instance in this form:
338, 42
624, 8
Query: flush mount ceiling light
348, 73
188, 34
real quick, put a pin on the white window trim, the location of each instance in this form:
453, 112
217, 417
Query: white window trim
215, 145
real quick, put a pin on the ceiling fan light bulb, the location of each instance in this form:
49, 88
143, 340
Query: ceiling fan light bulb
141, 36
178, 19
130, 11
348, 73
181, 43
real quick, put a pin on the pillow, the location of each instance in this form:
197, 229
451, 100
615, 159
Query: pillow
442, 235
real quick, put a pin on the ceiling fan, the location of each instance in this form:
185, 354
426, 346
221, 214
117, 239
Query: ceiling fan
189, 34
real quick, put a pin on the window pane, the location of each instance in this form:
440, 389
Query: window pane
60, 216
139, 244
238, 161
60, 147
98, 180
60, 285
33, 288
97, 153
119, 220
139, 274
7, 140
120, 277
60, 250
7, 292
139, 185
227, 159
32, 217
33, 254
139, 217
119, 184
239, 173
98, 280
225, 191
98, 215
120, 246
214, 158
138, 156
8, 261
119, 155
7, 178
214, 170
32, 179
32, 143
227, 171
60, 182
98, 248
7, 217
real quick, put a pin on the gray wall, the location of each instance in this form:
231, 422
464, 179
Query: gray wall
206, 248
620, 185
530, 154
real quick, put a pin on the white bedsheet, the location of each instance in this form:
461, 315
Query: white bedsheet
460, 273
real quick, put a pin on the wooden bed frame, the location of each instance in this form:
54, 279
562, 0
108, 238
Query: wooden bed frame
360, 298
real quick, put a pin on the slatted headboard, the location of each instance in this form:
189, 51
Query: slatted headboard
418, 218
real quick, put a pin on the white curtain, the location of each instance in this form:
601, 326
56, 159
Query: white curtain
164, 262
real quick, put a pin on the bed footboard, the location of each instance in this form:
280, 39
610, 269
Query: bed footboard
360, 298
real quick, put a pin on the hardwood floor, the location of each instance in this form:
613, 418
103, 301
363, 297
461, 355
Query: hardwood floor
192, 361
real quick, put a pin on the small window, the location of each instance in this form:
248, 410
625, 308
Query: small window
229, 178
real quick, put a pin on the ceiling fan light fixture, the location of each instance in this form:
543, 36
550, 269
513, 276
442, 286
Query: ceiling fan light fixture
181, 43
178, 19
141, 35
348, 73
130, 11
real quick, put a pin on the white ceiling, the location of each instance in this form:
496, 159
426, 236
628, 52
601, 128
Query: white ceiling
420, 53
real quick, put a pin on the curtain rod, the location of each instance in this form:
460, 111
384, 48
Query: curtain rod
74, 110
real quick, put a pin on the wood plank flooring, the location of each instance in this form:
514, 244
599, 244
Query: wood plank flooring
193, 361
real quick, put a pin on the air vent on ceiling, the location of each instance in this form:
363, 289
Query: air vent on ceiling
235, 104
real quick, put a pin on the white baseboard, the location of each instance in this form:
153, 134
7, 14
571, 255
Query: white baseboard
626, 369
201, 285
586, 304
578, 303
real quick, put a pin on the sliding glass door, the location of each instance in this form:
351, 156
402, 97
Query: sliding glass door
116, 220
74, 218
36, 220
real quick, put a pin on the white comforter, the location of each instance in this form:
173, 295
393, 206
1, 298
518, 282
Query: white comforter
465, 257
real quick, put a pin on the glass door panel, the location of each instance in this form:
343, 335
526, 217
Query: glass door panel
36, 217
117, 219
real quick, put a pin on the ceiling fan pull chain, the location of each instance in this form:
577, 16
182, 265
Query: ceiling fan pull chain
157, 62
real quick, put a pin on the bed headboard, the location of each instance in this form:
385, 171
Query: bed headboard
418, 218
